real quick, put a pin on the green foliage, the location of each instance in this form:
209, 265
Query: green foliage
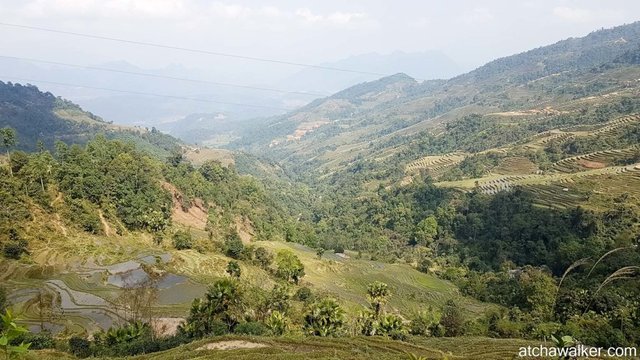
424, 323
452, 319
277, 323
122, 334
80, 346
303, 294
426, 231
263, 257
233, 246
251, 328
378, 294
324, 318
3, 299
233, 269
10, 331
289, 267
182, 240
220, 306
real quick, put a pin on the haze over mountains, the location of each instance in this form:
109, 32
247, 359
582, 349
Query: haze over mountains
174, 115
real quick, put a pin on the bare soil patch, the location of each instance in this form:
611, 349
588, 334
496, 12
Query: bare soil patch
232, 345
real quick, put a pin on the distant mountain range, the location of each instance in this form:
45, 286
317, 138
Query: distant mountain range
173, 114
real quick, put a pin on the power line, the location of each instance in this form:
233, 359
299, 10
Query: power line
145, 93
162, 76
207, 52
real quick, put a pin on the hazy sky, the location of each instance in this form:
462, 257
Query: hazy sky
470, 32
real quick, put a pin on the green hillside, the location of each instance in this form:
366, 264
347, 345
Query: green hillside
41, 117
453, 218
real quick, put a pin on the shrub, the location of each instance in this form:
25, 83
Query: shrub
15, 249
251, 328
452, 319
42, 340
233, 245
324, 318
182, 240
424, 323
263, 257
290, 268
80, 347
233, 269
303, 294
277, 323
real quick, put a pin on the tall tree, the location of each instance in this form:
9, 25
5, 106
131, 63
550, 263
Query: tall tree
8, 139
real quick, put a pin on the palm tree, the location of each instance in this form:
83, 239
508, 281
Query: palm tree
378, 293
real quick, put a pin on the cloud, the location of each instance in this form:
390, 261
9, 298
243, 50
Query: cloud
575, 15
336, 18
107, 9
476, 16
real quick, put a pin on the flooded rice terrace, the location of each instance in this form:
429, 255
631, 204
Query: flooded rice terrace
85, 298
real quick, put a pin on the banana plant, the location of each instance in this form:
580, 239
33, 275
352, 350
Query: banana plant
10, 332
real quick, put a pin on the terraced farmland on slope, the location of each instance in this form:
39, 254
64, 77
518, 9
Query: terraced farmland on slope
561, 189
435, 165
594, 160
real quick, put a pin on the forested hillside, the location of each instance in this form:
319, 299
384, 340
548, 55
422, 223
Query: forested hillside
40, 117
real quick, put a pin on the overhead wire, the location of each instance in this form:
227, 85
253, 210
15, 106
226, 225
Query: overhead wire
192, 50
144, 93
98, 68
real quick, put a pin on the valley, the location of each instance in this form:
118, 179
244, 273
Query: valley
398, 218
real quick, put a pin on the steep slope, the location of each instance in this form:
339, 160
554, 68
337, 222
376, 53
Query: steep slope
383, 117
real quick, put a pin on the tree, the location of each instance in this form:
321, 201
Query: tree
221, 304
290, 268
233, 269
325, 318
426, 231
452, 319
8, 140
233, 245
378, 294
319, 252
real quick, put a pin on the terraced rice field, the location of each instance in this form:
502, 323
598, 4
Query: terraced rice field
595, 160
560, 189
615, 124
435, 165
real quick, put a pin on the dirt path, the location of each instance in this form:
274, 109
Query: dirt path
105, 225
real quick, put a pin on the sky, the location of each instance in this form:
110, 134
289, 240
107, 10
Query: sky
470, 32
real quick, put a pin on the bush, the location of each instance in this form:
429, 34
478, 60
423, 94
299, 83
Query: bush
424, 323
324, 318
233, 246
263, 257
304, 294
15, 249
251, 328
80, 347
182, 240
277, 323
42, 340
452, 319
